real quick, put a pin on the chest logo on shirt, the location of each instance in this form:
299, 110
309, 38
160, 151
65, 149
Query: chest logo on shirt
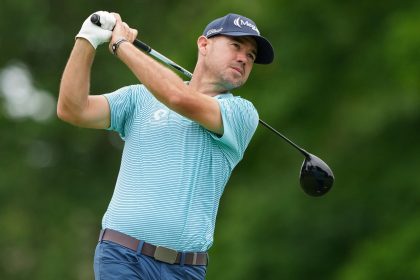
160, 114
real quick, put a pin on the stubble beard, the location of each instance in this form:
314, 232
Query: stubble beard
231, 84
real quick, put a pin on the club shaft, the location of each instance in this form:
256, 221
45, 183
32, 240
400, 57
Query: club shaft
305, 153
141, 45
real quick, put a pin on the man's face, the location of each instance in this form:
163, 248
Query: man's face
231, 59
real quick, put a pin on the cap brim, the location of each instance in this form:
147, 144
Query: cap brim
265, 52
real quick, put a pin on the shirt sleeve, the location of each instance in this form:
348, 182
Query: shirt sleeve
240, 121
123, 104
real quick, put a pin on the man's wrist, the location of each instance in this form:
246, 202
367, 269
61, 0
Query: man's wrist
117, 44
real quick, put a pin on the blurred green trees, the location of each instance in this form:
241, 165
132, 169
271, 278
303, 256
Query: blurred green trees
345, 85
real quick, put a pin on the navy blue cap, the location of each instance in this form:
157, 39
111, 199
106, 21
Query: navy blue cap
237, 25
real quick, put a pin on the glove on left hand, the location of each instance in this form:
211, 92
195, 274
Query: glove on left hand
97, 35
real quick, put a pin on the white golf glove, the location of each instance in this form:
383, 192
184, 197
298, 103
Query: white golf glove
97, 35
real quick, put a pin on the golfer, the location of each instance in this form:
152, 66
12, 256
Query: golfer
182, 141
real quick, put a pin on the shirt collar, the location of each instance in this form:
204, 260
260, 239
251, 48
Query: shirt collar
219, 96
223, 95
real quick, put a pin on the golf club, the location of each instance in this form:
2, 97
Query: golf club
316, 178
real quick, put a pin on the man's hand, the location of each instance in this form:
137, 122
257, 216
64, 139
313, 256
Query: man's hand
122, 31
97, 35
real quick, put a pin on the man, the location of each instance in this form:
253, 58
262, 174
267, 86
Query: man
182, 141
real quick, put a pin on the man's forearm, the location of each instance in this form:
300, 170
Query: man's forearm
75, 82
161, 81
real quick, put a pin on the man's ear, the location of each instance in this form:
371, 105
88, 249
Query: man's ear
202, 44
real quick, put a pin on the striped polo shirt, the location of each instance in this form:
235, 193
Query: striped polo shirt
173, 171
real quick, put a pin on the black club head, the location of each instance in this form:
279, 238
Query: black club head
316, 177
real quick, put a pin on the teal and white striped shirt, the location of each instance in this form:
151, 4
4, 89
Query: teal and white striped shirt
173, 171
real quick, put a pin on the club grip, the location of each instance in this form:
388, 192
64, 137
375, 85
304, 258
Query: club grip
96, 19
139, 44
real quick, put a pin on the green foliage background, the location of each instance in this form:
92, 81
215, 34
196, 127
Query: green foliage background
345, 85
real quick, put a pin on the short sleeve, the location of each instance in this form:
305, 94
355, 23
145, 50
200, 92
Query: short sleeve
240, 121
123, 104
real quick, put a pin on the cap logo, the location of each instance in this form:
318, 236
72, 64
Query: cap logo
212, 31
240, 22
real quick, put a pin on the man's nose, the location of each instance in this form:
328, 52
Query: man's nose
242, 57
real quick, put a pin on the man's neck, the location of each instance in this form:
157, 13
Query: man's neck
207, 86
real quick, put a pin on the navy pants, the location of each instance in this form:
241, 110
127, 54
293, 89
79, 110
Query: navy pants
113, 261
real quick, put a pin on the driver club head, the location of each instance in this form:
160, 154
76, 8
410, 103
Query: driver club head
316, 178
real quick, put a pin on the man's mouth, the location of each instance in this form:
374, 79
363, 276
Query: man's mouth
238, 69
